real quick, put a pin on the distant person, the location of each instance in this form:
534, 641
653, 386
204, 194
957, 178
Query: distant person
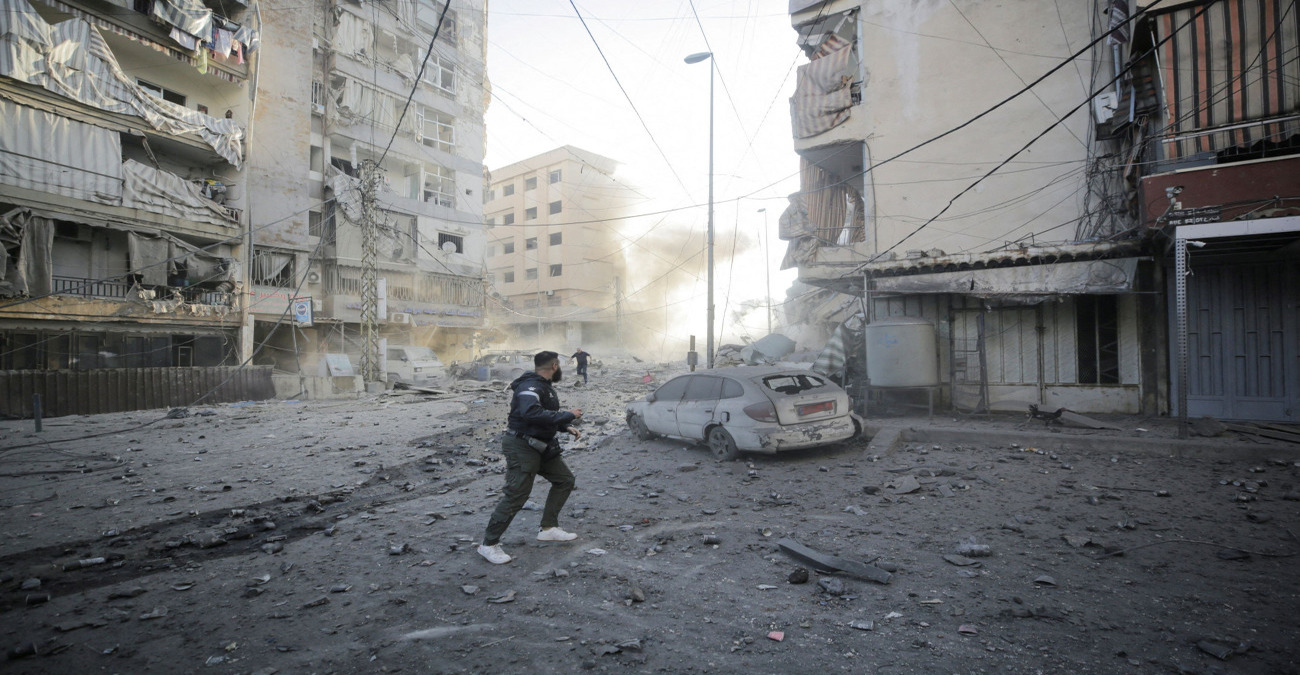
581, 357
532, 450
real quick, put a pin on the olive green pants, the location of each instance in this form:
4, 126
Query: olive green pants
523, 465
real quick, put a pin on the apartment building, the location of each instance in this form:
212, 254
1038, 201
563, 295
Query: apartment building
344, 72
1017, 176
123, 209
554, 254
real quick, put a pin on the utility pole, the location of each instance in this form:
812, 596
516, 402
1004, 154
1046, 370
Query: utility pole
369, 273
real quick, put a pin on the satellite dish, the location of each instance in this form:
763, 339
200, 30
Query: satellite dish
448, 247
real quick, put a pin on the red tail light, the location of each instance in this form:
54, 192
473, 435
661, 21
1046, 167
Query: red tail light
763, 412
824, 406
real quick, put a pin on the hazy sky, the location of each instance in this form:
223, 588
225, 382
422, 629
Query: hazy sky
551, 87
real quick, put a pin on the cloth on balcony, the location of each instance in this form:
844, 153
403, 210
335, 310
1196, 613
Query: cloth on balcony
157, 257
190, 16
43, 151
72, 60
30, 239
822, 96
184, 39
155, 191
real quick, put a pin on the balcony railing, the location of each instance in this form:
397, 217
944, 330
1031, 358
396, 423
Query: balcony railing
118, 290
91, 288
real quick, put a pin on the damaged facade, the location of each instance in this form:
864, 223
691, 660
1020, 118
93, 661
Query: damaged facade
121, 161
1035, 230
341, 87
555, 265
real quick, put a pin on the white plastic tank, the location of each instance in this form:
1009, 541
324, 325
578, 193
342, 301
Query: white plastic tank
902, 352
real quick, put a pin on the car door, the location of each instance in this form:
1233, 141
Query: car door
661, 413
695, 411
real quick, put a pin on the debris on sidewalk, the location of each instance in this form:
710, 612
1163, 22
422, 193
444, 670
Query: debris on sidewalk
829, 563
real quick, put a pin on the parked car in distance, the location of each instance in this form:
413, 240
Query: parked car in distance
497, 365
734, 410
411, 364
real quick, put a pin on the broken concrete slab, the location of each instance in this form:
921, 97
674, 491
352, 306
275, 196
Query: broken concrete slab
1074, 419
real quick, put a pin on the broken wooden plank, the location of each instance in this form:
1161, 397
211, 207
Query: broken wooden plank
1266, 433
830, 563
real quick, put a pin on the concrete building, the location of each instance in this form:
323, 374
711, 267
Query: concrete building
554, 255
337, 97
123, 214
980, 167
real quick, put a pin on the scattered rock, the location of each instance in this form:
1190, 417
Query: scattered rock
831, 585
798, 576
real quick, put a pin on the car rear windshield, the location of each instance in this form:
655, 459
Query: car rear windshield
790, 384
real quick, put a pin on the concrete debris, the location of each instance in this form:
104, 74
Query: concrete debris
1207, 426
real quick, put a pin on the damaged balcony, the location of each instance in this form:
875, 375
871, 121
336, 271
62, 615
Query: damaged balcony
826, 222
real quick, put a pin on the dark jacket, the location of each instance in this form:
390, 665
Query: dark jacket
535, 408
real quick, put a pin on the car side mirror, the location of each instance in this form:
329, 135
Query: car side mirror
650, 397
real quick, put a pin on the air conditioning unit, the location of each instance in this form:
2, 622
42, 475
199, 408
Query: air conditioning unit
313, 277
550, 292
318, 108
400, 317
317, 305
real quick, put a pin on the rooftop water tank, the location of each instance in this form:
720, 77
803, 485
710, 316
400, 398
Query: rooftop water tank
902, 352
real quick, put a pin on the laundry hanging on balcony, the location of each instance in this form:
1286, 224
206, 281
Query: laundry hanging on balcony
72, 60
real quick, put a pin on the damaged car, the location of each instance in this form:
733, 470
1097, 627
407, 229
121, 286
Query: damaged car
734, 410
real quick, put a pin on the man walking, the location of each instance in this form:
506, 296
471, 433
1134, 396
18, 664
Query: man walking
581, 357
531, 450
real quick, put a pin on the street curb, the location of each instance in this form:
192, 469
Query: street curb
887, 438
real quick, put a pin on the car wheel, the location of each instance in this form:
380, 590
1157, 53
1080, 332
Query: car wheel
722, 444
638, 427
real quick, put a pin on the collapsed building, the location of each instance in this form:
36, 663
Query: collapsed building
1031, 203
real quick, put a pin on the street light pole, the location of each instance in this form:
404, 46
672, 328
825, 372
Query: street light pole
767, 269
696, 58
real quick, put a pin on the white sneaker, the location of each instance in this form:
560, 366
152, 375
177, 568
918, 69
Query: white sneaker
494, 554
555, 534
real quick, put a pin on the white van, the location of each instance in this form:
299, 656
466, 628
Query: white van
410, 364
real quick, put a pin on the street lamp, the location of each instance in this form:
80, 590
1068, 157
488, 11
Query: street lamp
767, 269
696, 58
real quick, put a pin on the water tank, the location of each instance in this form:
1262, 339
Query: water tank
902, 352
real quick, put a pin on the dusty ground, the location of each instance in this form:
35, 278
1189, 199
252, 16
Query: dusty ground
335, 537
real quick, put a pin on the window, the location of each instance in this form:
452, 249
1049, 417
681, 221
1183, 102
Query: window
732, 389
507, 189
314, 225
508, 277
317, 159
491, 251
508, 247
1097, 322
457, 243
490, 220
508, 219
158, 91
703, 388
555, 207
491, 194
557, 270
440, 186
435, 129
557, 238
673, 390
530, 274
553, 300
317, 97
530, 244
555, 176
272, 268
440, 72
530, 213
532, 303
530, 183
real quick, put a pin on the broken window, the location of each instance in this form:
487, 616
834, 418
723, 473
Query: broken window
793, 384
555, 176
1097, 323
271, 268
508, 247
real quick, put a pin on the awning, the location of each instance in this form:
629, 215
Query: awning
1085, 277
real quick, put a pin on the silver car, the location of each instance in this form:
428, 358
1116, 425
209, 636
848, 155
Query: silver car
762, 409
